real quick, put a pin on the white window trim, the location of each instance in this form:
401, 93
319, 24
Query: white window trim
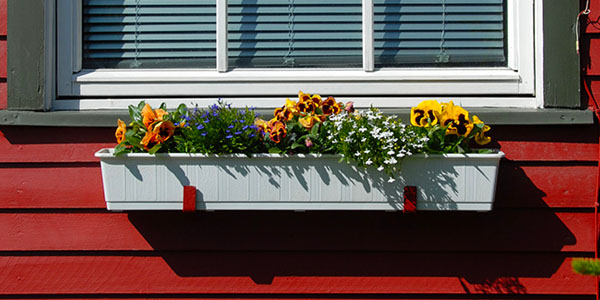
513, 86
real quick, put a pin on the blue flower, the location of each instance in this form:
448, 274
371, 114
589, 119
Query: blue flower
245, 127
230, 126
251, 135
229, 136
253, 127
203, 134
206, 120
238, 132
214, 107
200, 127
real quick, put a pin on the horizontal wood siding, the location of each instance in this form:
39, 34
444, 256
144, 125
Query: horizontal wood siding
57, 240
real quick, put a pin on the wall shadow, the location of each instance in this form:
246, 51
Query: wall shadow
488, 250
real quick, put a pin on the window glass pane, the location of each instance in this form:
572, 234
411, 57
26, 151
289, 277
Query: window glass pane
440, 33
149, 34
295, 33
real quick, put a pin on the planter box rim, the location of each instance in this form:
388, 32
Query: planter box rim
109, 153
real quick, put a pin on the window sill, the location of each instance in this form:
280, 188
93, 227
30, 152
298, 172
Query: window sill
108, 118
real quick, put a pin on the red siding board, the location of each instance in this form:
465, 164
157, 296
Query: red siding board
53, 144
546, 143
3, 58
591, 62
3, 17
513, 230
591, 23
80, 186
533, 143
3, 99
73, 186
294, 273
545, 185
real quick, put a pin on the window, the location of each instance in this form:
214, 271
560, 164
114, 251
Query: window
389, 53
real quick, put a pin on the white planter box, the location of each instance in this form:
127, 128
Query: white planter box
302, 182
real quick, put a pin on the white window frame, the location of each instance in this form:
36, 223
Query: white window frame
511, 86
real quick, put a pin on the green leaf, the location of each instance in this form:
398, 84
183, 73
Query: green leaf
121, 149
296, 145
155, 148
315, 130
274, 150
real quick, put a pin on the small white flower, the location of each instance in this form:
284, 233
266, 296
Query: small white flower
391, 180
367, 151
357, 153
349, 140
363, 140
400, 155
362, 129
391, 152
368, 162
380, 168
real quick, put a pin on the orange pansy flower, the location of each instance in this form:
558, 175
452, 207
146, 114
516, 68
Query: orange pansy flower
329, 106
283, 113
277, 130
150, 140
121, 129
164, 130
150, 116
309, 121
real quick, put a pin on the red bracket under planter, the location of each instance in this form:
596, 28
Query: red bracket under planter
189, 198
410, 199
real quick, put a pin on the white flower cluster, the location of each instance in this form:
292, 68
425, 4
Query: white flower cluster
372, 139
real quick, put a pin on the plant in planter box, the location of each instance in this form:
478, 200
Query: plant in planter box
293, 158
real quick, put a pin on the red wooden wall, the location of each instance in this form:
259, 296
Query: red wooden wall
58, 241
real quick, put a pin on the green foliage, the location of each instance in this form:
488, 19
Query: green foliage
586, 266
218, 130
311, 125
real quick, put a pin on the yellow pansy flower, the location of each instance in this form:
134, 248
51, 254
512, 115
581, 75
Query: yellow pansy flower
426, 113
456, 119
480, 137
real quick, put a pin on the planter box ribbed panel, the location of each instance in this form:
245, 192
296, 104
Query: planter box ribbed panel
140, 181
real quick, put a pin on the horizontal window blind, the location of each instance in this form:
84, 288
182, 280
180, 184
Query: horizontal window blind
440, 33
293, 33
149, 34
